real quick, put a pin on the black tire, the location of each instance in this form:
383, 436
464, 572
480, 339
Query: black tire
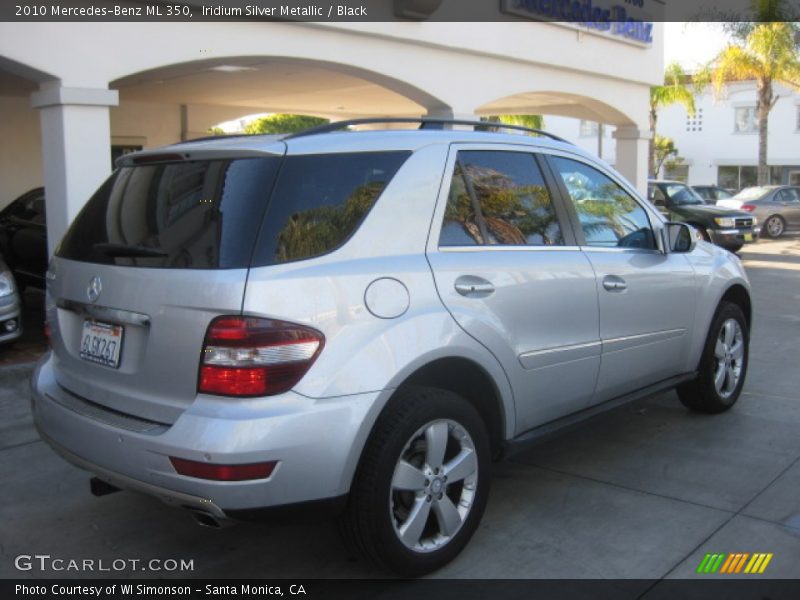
370, 525
774, 226
703, 393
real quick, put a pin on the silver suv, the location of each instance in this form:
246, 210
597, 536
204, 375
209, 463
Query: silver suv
363, 321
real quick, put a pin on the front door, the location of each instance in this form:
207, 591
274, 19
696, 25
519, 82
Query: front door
646, 297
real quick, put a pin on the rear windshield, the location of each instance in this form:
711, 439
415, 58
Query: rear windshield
189, 215
320, 200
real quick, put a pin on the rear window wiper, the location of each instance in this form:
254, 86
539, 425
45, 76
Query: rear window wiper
125, 250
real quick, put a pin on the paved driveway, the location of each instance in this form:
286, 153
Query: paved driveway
644, 491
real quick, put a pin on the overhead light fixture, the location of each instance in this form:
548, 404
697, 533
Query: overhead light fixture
231, 68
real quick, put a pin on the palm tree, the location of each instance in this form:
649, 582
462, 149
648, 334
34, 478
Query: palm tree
768, 55
673, 91
531, 121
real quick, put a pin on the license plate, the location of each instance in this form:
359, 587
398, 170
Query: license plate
748, 237
101, 343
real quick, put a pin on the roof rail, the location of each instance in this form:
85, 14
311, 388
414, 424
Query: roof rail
425, 123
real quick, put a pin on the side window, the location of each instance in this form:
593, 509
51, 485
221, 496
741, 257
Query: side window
499, 198
320, 200
609, 216
789, 195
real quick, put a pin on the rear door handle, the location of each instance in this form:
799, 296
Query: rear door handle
612, 283
471, 286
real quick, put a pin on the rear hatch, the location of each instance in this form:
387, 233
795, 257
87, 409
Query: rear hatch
161, 248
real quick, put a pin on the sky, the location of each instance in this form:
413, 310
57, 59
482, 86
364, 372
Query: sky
692, 44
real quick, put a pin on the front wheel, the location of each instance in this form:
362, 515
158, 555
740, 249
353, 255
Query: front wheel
422, 484
774, 226
723, 365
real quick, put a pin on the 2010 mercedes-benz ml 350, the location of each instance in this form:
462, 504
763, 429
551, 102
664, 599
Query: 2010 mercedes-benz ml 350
362, 321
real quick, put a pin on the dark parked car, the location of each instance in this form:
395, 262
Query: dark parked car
712, 193
23, 238
726, 227
777, 206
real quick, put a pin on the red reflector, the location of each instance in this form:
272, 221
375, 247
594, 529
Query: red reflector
233, 381
202, 470
748, 207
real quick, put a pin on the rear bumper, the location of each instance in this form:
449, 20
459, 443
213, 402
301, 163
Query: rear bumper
316, 443
10, 311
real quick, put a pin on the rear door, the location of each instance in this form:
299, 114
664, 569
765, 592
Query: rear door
646, 297
158, 251
507, 268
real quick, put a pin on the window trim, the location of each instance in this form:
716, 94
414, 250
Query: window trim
562, 215
654, 219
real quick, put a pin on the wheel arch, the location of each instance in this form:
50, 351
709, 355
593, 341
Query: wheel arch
470, 381
738, 294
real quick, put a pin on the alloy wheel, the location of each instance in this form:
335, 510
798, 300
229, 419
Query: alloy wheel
434, 485
729, 358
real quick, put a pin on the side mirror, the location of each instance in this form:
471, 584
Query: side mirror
681, 237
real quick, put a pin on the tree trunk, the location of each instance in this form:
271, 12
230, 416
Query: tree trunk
651, 147
763, 106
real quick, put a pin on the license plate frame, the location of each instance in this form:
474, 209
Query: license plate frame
101, 343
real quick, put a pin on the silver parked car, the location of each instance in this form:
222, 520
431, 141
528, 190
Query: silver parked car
10, 306
776, 206
363, 321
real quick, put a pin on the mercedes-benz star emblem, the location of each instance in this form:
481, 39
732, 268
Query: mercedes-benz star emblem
94, 289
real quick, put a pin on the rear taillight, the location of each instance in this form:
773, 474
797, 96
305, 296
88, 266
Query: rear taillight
248, 356
747, 207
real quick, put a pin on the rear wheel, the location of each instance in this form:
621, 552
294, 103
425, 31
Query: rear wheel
422, 484
723, 365
774, 226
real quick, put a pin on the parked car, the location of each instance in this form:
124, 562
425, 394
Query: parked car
402, 308
10, 306
23, 238
725, 227
776, 206
711, 193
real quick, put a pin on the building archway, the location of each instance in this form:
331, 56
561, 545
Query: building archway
626, 113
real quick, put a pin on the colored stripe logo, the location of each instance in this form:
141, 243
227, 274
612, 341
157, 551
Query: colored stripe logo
737, 562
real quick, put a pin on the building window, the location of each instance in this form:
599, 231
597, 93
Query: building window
744, 120
739, 177
695, 123
798, 119
588, 128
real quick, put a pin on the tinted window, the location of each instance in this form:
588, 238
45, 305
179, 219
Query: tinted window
790, 195
609, 216
320, 200
499, 198
197, 214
